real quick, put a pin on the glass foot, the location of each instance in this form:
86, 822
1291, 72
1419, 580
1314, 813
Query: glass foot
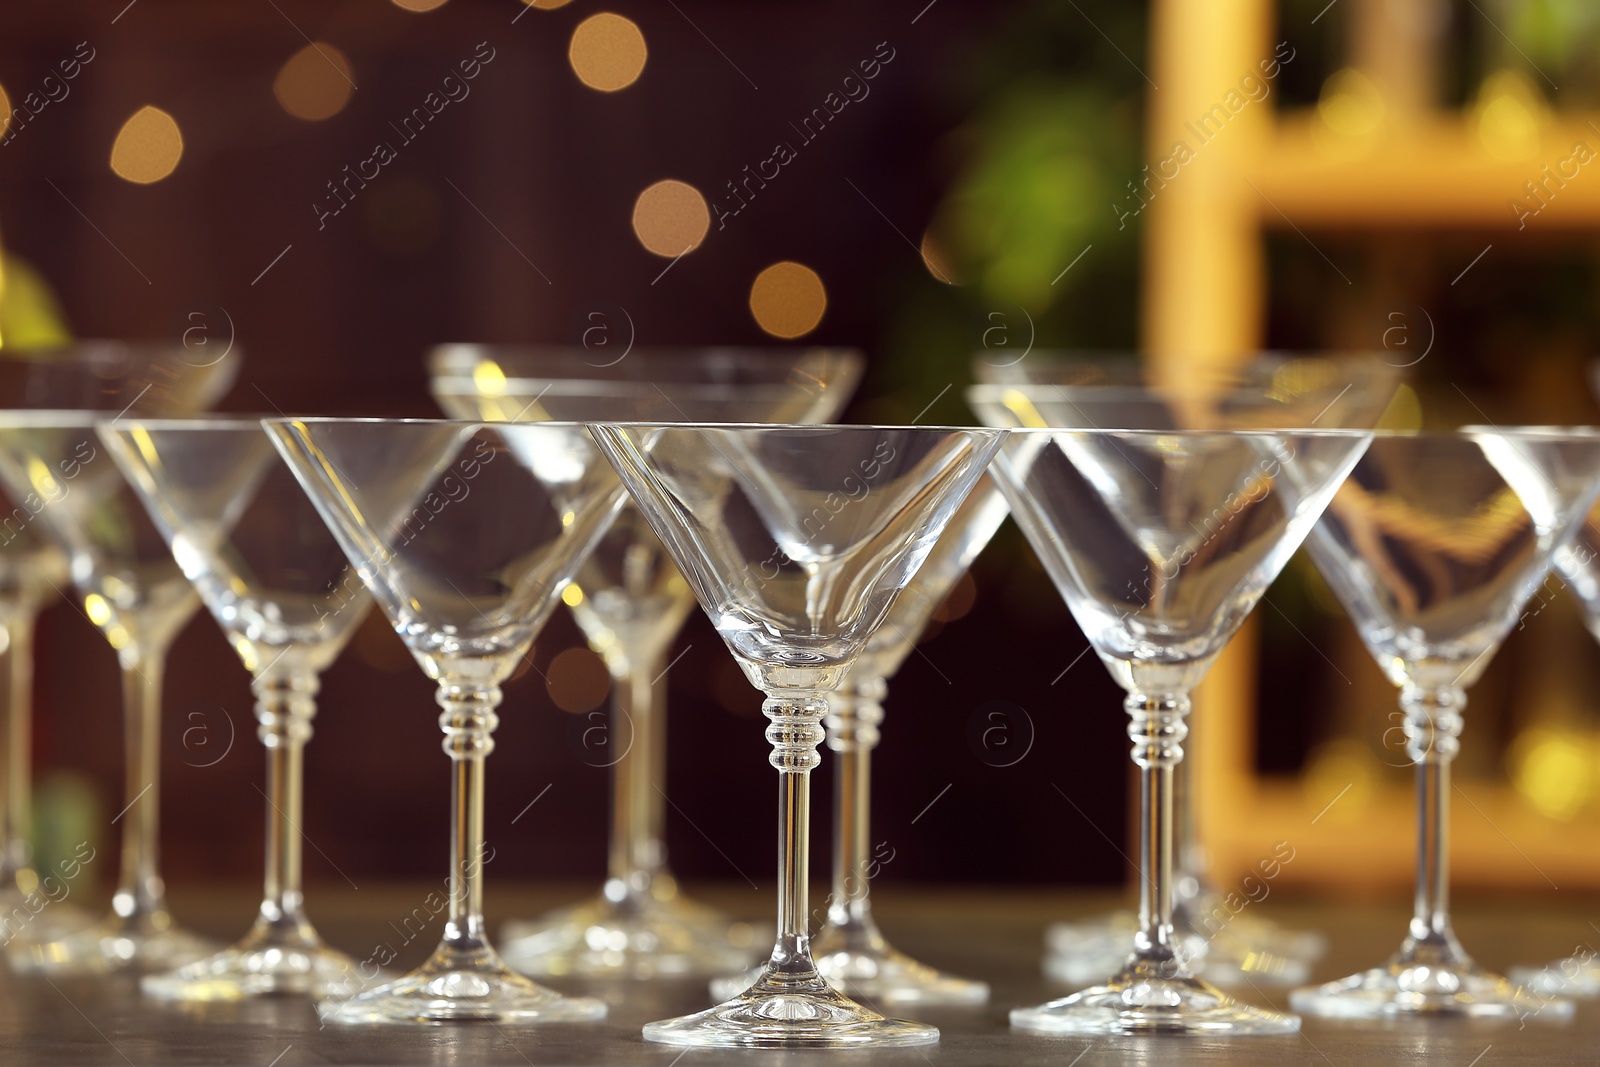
1140, 1000
861, 963
790, 1011
150, 942
1239, 953
1416, 988
30, 918
270, 961
642, 936
461, 986
1575, 976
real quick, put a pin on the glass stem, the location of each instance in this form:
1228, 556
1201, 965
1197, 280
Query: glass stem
852, 726
285, 705
1156, 727
794, 733
636, 816
1433, 732
16, 801
468, 722
141, 895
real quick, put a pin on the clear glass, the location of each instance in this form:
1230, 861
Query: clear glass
796, 541
272, 576
109, 376
465, 534
1270, 391
631, 602
133, 590
850, 950
1161, 543
1578, 561
1433, 546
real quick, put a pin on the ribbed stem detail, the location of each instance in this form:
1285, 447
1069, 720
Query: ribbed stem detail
468, 719
795, 731
854, 718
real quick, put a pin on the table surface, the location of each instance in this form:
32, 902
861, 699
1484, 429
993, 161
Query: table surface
994, 935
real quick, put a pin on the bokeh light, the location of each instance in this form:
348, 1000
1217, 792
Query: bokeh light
671, 218
607, 52
5, 110
315, 83
788, 299
579, 680
419, 5
547, 5
148, 147
1350, 104
936, 259
1510, 111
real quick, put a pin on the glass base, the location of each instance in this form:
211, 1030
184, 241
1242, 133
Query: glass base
1242, 952
272, 960
150, 942
1575, 976
642, 936
30, 918
1415, 988
1141, 1001
461, 986
790, 1011
860, 963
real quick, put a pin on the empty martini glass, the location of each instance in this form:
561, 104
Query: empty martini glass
1433, 546
136, 594
110, 376
1161, 543
1072, 390
276, 582
630, 602
796, 541
1578, 561
850, 951
465, 534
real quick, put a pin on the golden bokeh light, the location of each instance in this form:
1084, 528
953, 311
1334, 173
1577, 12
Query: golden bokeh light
579, 680
314, 83
547, 5
788, 299
607, 52
147, 147
671, 218
5, 110
1510, 110
419, 5
1351, 104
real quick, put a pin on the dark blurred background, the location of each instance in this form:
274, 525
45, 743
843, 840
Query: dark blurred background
992, 149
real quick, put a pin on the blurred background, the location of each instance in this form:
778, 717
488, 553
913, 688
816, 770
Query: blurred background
1209, 178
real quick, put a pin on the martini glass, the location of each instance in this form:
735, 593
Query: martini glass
796, 541
136, 594
850, 951
630, 601
1433, 546
1271, 392
109, 376
1161, 543
274, 579
466, 535
1578, 562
